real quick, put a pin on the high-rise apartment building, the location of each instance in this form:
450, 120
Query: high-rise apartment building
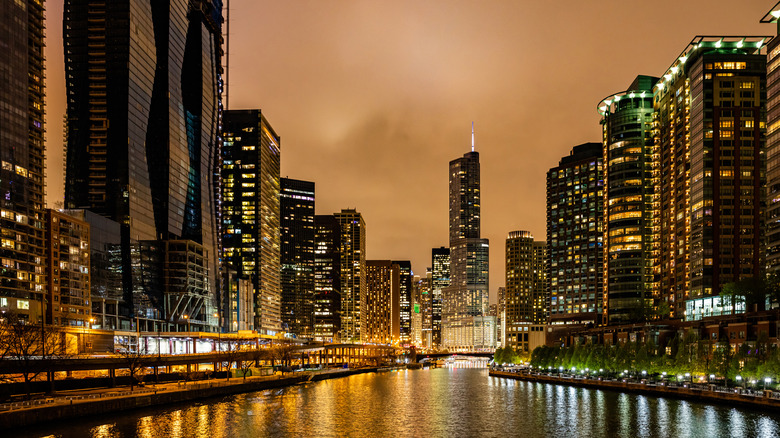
406, 283
380, 311
467, 294
143, 84
575, 207
440, 280
67, 270
424, 293
353, 273
250, 210
327, 277
772, 216
630, 223
22, 280
527, 299
709, 132
297, 255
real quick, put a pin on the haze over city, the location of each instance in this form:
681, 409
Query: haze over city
373, 99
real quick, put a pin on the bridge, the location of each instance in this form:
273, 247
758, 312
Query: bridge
434, 356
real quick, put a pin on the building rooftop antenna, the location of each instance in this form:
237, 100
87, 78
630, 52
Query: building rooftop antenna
472, 136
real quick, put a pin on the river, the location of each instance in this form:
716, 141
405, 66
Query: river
444, 402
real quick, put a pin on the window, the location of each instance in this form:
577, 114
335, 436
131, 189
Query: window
22, 304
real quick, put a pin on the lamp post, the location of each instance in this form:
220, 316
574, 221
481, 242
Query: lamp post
89, 344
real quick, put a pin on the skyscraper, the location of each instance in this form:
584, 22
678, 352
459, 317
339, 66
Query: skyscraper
143, 83
440, 280
467, 294
405, 307
250, 210
327, 277
772, 228
630, 223
380, 310
297, 255
22, 281
710, 126
527, 299
575, 217
353, 272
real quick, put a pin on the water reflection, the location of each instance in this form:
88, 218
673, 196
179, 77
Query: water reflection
441, 402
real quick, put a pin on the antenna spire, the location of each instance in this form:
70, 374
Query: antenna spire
472, 136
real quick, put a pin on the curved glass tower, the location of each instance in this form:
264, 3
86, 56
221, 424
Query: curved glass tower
629, 224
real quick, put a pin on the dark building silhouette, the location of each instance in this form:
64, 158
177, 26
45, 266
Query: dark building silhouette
297, 255
327, 277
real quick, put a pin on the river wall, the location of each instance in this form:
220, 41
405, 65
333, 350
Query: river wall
735, 396
201, 390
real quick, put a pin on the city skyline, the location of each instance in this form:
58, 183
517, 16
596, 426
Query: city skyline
413, 104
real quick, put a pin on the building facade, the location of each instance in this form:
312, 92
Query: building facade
250, 210
327, 278
440, 280
143, 81
467, 294
630, 226
527, 299
772, 227
710, 127
67, 270
405, 309
381, 317
22, 281
297, 255
575, 218
353, 273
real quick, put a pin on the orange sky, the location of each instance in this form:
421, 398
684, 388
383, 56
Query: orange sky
373, 98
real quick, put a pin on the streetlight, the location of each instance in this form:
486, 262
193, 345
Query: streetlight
767, 381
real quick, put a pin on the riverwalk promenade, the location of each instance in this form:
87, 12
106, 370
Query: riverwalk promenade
91, 402
702, 393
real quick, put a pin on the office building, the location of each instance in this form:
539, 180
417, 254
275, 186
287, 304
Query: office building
143, 85
381, 317
250, 210
327, 278
631, 175
22, 278
405, 309
575, 217
297, 255
440, 280
353, 273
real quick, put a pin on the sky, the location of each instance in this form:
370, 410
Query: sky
372, 99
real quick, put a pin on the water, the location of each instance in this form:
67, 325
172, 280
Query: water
445, 402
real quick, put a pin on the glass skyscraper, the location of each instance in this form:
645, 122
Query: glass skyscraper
143, 83
250, 210
297, 255
630, 222
353, 272
22, 278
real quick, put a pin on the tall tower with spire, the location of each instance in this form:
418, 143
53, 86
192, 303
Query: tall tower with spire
467, 295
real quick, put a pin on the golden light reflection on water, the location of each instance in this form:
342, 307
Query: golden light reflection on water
432, 402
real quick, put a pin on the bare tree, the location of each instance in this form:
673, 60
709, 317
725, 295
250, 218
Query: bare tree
133, 357
30, 349
231, 350
283, 353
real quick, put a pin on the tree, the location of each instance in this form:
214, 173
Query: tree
229, 352
134, 359
30, 349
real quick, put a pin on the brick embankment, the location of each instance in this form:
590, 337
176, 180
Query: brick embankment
63, 408
767, 400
